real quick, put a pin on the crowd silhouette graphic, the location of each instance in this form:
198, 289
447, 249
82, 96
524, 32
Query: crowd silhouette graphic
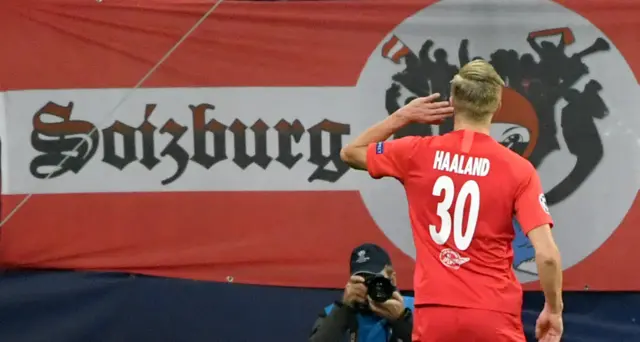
543, 81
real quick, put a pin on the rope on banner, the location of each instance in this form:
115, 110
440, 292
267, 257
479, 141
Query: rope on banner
110, 114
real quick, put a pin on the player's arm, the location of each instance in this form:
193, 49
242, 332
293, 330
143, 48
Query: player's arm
549, 266
420, 110
390, 158
355, 153
536, 222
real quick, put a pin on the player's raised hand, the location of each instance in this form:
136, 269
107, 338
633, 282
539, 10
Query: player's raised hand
549, 326
425, 110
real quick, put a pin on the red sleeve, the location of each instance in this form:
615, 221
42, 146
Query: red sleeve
390, 158
531, 205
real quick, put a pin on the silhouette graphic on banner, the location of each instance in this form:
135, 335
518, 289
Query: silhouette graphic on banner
542, 84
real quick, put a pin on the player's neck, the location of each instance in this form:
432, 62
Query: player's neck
480, 127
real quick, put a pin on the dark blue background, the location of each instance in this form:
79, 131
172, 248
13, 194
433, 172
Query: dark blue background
64, 306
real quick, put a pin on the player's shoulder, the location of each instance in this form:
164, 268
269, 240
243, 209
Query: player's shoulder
518, 164
412, 144
436, 141
419, 141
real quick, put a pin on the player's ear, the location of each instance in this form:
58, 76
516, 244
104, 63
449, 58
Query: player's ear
451, 103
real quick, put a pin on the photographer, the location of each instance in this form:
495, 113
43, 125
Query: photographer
371, 309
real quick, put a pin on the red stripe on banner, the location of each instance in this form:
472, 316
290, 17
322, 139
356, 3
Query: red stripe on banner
89, 44
275, 238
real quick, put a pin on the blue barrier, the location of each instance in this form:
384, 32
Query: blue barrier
65, 306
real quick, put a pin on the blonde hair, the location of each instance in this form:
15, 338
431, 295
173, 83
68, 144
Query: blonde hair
477, 90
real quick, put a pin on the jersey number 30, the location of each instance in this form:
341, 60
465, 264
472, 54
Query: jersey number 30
469, 190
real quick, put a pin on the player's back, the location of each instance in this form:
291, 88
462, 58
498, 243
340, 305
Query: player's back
461, 188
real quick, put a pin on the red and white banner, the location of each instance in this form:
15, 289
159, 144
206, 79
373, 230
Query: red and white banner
225, 164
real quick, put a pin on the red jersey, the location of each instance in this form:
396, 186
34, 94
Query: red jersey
463, 190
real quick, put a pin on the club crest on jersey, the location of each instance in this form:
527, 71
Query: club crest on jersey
452, 259
380, 147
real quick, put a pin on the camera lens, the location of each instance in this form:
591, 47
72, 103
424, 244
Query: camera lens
380, 289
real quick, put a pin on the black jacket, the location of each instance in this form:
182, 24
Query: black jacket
341, 325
